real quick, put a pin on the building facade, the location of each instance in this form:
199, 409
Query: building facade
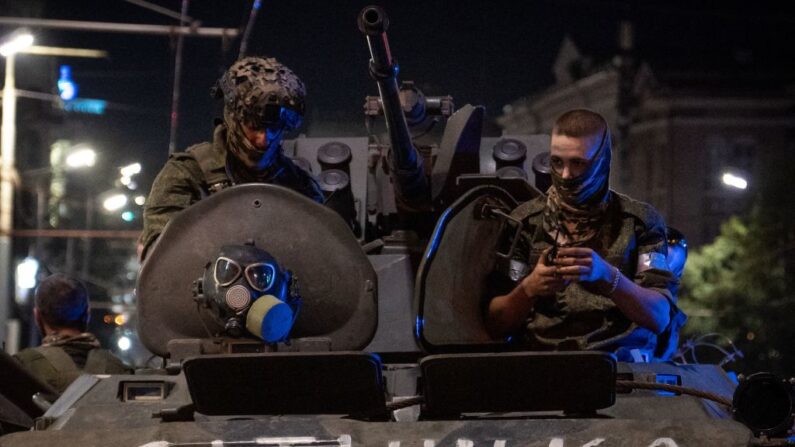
682, 131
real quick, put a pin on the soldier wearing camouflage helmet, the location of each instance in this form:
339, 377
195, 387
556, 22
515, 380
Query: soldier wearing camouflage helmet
263, 99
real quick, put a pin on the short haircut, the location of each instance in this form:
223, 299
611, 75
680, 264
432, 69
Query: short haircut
62, 302
580, 123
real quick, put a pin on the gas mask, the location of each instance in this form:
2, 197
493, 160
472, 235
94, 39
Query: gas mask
245, 289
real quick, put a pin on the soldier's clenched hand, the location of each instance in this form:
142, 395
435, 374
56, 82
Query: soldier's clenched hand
544, 279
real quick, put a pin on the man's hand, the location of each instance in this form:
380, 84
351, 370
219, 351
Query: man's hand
507, 312
544, 279
582, 264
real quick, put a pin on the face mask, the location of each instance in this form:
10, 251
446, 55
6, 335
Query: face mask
592, 185
244, 287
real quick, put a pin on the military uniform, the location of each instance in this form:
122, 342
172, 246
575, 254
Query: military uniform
61, 359
578, 317
205, 169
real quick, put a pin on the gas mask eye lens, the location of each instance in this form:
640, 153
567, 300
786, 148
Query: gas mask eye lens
226, 271
260, 276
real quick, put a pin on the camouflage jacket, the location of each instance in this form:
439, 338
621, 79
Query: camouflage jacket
203, 169
580, 318
60, 360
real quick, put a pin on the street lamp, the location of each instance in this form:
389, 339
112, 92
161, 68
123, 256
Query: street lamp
81, 157
130, 170
26, 273
16, 42
11, 45
734, 181
127, 173
115, 202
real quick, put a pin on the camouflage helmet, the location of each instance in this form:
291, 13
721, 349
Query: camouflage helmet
253, 83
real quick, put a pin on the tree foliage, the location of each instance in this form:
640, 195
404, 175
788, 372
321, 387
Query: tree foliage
742, 284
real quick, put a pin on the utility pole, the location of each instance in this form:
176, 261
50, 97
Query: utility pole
7, 144
172, 139
6, 189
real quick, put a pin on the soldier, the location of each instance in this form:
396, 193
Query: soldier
61, 312
263, 99
590, 269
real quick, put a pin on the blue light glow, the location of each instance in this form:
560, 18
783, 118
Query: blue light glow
668, 379
66, 88
91, 106
437, 233
128, 216
418, 327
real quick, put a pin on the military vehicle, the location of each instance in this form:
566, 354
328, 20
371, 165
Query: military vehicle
388, 347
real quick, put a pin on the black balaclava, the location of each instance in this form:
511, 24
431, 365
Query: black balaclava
582, 200
250, 87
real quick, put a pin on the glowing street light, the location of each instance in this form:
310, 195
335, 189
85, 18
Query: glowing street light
115, 202
734, 181
17, 42
130, 170
124, 343
140, 200
26, 273
81, 158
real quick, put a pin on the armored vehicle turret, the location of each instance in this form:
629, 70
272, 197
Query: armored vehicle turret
385, 343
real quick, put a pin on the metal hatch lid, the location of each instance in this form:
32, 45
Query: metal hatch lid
451, 283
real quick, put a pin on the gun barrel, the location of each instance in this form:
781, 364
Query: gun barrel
410, 178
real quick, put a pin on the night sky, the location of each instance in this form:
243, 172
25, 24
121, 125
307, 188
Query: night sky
480, 52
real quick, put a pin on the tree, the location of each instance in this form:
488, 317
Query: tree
743, 284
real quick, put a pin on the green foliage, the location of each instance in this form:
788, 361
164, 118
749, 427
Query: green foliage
742, 284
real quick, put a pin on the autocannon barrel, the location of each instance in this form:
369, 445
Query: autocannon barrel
409, 176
